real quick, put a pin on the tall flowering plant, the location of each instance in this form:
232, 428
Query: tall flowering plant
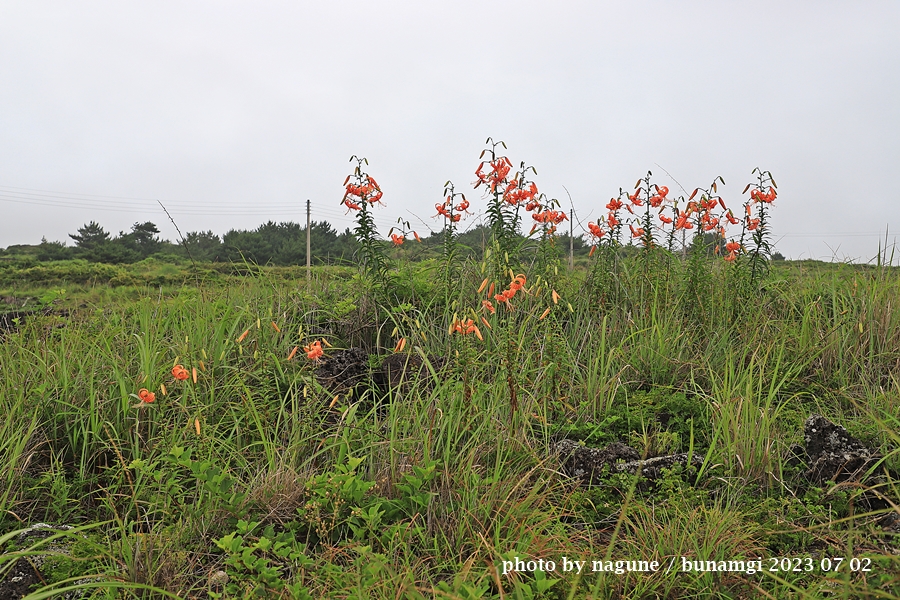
705, 216
649, 197
451, 210
755, 222
506, 193
605, 235
361, 193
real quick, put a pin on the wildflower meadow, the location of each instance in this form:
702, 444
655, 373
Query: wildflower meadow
414, 422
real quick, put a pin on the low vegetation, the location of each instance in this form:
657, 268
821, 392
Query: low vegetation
176, 416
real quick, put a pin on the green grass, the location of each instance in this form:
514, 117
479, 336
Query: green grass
295, 493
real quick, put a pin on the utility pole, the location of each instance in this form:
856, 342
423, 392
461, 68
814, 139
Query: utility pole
308, 245
571, 239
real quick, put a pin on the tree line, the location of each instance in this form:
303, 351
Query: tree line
270, 243
280, 244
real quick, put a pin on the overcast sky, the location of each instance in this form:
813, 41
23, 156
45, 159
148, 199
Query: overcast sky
233, 114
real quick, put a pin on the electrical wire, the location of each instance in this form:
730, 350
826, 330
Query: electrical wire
130, 204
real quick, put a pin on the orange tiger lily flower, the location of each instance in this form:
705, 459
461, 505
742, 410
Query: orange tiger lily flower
146, 395
314, 350
180, 373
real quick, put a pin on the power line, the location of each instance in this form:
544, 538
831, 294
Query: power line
131, 204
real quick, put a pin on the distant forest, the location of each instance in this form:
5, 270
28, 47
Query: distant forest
280, 244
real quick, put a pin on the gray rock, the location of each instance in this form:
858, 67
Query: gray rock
217, 581
26, 574
652, 468
590, 464
833, 454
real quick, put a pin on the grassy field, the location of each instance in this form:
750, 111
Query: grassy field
249, 475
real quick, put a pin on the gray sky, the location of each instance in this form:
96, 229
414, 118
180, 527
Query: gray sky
233, 114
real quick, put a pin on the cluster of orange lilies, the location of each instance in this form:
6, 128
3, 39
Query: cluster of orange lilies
446, 209
698, 213
518, 283
398, 238
367, 191
500, 168
520, 191
465, 327
550, 216
179, 372
768, 197
314, 350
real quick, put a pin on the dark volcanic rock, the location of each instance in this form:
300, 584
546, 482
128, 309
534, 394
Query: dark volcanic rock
13, 320
833, 453
652, 468
589, 464
343, 370
26, 574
